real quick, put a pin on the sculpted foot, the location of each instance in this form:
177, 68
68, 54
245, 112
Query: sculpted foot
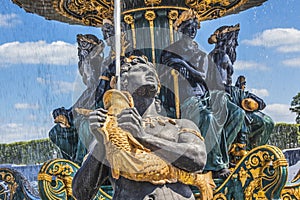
223, 173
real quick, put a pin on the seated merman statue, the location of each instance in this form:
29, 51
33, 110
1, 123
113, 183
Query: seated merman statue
176, 141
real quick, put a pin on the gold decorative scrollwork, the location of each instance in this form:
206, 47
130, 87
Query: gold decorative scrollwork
260, 195
88, 12
61, 169
152, 2
243, 176
291, 192
261, 166
191, 3
221, 2
92, 12
55, 178
261, 175
256, 183
128, 19
173, 14
10, 180
260, 158
211, 9
63, 172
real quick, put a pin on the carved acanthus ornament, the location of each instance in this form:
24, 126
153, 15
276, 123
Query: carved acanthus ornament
55, 178
261, 173
92, 12
212, 9
291, 192
89, 12
243, 176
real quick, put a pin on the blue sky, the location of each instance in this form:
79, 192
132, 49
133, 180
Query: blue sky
38, 68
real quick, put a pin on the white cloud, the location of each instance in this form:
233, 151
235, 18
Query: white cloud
41, 80
32, 117
55, 53
289, 48
249, 65
24, 106
284, 40
58, 86
63, 87
277, 37
294, 62
14, 132
260, 92
11, 126
9, 20
280, 113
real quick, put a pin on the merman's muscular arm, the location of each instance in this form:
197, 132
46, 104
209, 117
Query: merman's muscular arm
187, 153
178, 143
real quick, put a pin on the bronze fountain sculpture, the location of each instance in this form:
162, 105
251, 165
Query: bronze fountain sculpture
149, 29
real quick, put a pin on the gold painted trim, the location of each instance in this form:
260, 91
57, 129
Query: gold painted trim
189, 130
173, 15
175, 75
130, 20
104, 78
206, 11
280, 162
150, 16
151, 2
44, 177
154, 8
104, 193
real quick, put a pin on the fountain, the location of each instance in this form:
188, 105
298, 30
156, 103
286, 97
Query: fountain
146, 26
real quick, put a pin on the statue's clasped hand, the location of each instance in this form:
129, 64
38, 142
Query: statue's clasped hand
97, 119
130, 120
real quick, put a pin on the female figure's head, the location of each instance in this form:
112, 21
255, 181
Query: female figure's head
187, 23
